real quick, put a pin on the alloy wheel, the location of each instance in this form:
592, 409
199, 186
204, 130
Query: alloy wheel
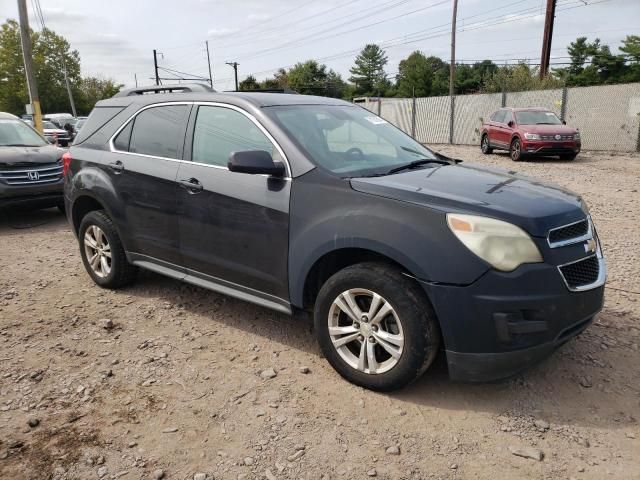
485, 143
97, 251
366, 331
515, 150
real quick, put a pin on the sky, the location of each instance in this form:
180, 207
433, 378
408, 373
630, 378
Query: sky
116, 38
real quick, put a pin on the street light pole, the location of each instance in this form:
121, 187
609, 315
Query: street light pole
29, 71
452, 70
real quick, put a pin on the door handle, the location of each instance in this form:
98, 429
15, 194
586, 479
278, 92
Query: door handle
117, 167
192, 185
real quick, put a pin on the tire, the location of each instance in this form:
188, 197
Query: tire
117, 271
485, 146
515, 150
568, 156
411, 319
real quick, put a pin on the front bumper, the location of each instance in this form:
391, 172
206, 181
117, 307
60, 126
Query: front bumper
505, 322
545, 147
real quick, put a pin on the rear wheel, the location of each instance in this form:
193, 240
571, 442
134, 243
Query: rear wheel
515, 150
375, 326
485, 146
102, 252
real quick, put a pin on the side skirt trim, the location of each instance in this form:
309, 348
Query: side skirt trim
210, 283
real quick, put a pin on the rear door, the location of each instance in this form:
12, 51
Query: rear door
143, 166
234, 227
496, 133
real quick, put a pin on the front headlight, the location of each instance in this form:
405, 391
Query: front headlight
576, 136
503, 245
532, 136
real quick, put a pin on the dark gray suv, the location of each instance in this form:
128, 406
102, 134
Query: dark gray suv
299, 202
30, 167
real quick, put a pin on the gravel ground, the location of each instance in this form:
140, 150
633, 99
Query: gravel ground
166, 380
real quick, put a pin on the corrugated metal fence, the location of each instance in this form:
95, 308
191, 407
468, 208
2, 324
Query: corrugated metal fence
607, 116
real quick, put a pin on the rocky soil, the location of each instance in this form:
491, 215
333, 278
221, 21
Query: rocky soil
165, 380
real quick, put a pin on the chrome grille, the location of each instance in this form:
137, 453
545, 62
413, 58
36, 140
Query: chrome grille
582, 273
26, 175
554, 139
568, 234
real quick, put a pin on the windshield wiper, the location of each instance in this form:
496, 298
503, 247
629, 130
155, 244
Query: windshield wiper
418, 163
545, 123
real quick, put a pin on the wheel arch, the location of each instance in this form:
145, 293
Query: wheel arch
81, 206
334, 260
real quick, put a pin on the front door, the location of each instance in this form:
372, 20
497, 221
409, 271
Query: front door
234, 227
144, 169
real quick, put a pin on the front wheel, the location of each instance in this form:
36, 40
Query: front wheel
485, 146
375, 326
515, 150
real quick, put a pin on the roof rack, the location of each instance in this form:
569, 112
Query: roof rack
265, 90
180, 88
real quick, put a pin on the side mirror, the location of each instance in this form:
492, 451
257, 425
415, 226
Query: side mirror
510, 124
257, 162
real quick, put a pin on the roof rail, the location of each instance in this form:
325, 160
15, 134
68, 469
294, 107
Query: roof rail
180, 88
265, 90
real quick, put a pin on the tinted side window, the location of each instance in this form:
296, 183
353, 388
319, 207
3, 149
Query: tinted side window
507, 117
219, 131
499, 116
121, 142
159, 131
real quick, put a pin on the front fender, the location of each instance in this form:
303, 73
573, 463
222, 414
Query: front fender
328, 215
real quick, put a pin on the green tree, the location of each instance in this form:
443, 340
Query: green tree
518, 78
51, 52
631, 48
440, 76
368, 72
93, 89
414, 76
279, 80
249, 83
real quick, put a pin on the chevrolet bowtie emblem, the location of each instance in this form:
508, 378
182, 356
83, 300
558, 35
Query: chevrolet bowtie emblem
590, 246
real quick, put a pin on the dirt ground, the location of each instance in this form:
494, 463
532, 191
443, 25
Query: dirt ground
173, 387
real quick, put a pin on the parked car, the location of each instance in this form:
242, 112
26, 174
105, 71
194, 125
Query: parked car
528, 132
296, 202
55, 134
30, 167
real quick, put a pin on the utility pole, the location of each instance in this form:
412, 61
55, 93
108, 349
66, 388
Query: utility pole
155, 66
452, 69
25, 39
209, 64
235, 70
66, 80
546, 39
135, 76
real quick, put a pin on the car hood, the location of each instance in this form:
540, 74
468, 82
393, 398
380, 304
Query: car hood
549, 129
17, 156
533, 205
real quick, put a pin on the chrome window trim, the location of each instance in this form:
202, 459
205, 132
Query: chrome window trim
113, 149
602, 273
571, 241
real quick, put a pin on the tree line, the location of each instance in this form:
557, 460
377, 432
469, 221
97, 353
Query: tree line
589, 63
50, 53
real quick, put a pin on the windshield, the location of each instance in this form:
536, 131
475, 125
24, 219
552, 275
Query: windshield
532, 117
349, 141
17, 133
49, 126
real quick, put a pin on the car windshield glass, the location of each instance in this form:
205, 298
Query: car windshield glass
532, 117
349, 141
49, 126
17, 133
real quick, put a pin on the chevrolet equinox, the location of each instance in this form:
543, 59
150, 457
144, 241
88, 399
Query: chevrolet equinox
297, 202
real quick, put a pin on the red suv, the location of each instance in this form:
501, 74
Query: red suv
529, 132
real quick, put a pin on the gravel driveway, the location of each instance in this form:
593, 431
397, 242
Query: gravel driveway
166, 380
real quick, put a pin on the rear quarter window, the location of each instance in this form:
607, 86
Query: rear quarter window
97, 119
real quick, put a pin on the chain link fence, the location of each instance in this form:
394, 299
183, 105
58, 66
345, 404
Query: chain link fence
608, 116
